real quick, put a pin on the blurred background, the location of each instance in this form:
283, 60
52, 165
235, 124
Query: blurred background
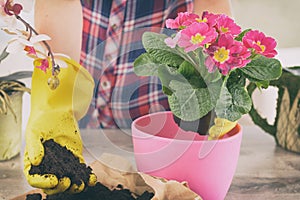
276, 18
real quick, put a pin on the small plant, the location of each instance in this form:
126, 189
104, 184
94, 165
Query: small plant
8, 85
286, 126
204, 65
26, 41
29, 41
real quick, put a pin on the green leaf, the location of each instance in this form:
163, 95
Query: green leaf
144, 65
241, 99
241, 35
295, 70
263, 69
190, 73
262, 84
214, 91
186, 69
157, 48
197, 81
233, 103
167, 74
236, 78
16, 76
207, 76
167, 91
4, 54
188, 103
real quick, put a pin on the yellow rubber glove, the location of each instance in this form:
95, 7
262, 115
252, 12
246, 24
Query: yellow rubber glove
220, 128
54, 115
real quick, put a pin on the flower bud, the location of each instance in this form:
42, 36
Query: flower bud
53, 82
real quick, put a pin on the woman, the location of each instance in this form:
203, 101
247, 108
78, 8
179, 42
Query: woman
105, 36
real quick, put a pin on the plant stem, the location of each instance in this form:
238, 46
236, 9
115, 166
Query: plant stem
28, 26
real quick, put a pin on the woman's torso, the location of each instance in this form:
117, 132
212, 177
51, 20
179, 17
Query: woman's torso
111, 40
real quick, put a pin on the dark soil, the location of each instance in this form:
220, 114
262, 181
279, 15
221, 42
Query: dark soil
60, 161
97, 192
35, 196
200, 126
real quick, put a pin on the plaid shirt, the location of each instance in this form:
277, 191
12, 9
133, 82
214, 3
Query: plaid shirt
112, 31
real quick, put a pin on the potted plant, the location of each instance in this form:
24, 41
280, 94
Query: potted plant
11, 86
61, 91
22, 42
11, 93
286, 127
203, 67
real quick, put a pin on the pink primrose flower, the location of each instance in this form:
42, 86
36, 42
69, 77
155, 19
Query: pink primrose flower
196, 35
209, 18
227, 25
260, 43
183, 20
226, 54
172, 42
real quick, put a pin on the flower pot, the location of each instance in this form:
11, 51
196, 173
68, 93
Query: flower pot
11, 128
162, 149
286, 127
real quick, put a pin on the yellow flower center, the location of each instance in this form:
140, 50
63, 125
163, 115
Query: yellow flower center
224, 29
201, 20
221, 55
262, 47
198, 38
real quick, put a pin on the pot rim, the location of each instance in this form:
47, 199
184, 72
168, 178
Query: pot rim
231, 135
10, 91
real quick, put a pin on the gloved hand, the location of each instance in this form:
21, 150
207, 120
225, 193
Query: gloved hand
54, 115
220, 128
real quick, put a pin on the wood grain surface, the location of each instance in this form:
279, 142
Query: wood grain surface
265, 171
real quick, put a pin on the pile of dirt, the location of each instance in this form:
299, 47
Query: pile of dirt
61, 162
96, 192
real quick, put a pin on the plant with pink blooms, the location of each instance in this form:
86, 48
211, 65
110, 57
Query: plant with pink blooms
204, 65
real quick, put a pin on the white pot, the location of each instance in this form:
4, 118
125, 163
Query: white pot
11, 128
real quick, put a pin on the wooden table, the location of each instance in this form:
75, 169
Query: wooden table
264, 170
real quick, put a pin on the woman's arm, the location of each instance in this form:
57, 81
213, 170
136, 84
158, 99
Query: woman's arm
214, 6
62, 21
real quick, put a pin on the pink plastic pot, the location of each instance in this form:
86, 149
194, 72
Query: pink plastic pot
162, 149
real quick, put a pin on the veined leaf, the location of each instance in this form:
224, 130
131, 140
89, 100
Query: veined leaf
166, 75
233, 103
207, 76
186, 69
189, 103
214, 91
144, 65
263, 69
157, 48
